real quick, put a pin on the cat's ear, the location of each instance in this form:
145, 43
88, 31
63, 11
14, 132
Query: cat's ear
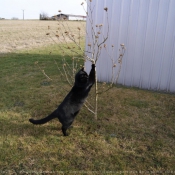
82, 68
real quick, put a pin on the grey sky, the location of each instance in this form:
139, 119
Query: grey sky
32, 8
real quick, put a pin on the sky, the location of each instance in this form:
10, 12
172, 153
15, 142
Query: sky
32, 8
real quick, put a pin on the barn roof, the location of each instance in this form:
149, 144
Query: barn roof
70, 15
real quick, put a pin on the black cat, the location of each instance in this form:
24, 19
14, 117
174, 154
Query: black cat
73, 102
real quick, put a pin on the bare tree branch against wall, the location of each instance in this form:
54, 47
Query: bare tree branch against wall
71, 43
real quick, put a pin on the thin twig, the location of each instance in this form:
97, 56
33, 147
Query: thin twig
43, 72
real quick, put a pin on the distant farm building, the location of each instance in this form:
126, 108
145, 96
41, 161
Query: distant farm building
60, 17
67, 17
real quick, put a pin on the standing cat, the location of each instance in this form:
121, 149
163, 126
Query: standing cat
73, 102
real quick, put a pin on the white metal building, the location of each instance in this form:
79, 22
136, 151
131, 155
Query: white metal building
147, 28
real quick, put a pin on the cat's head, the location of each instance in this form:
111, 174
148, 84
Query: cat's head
81, 78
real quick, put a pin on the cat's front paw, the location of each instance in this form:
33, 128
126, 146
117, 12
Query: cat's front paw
93, 66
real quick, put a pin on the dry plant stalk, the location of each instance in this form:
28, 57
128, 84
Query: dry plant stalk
74, 50
98, 40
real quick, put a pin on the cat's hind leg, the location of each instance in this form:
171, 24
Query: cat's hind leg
65, 127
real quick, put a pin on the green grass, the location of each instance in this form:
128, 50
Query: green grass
135, 130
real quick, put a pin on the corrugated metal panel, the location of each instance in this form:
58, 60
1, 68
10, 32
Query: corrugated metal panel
147, 28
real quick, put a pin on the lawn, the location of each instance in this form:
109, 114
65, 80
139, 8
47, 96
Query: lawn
135, 130
134, 133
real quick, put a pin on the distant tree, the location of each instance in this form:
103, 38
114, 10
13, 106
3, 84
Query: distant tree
44, 16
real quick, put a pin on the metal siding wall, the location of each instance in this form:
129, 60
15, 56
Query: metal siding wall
147, 28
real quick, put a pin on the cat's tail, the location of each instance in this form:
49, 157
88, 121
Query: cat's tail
44, 120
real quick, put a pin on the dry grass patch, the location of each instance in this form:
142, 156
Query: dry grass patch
19, 35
